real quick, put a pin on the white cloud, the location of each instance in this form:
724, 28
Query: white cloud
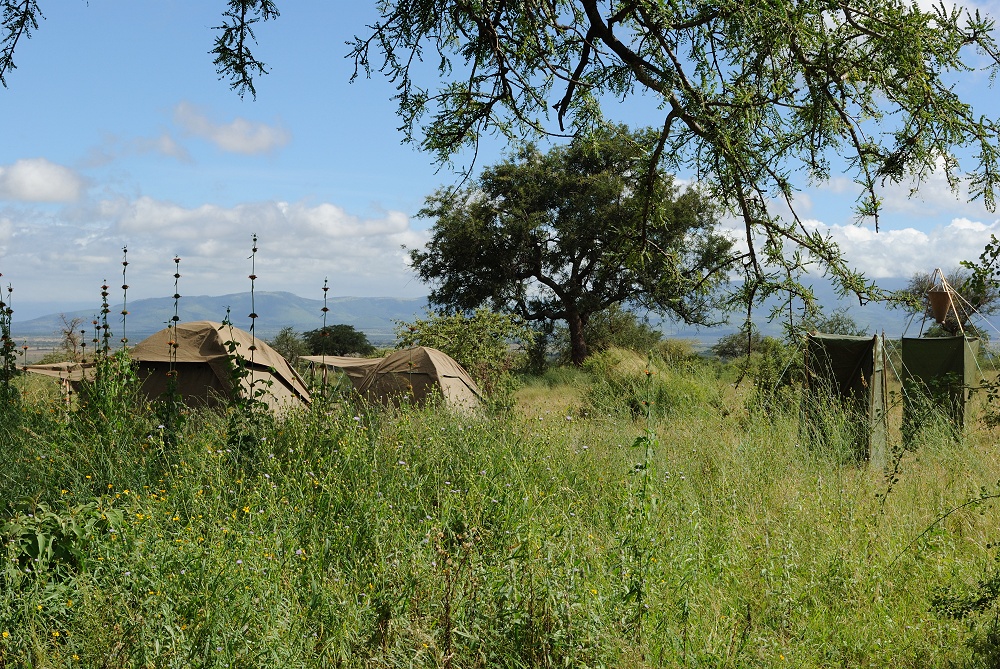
300, 244
237, 136
114, 148
902, 252
6, 231
38, 180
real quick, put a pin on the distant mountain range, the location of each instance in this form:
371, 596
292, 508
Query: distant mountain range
375, 316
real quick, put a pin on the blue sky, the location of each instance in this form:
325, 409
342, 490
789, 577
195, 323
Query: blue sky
117, 131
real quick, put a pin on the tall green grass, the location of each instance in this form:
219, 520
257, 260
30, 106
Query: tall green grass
355, 536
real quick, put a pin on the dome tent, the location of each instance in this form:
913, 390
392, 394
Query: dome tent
203, 364
412, 373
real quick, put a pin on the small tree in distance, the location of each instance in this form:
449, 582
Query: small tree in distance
338, 340
838, 322
289, 344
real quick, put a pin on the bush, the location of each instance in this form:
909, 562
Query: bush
289, 344
738, 344
674, 351
774, 368
626, 383
486, 343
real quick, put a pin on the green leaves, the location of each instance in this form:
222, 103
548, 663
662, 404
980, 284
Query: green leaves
47, 540
751, 93
337, 340
19, 19
233, 59
481, 342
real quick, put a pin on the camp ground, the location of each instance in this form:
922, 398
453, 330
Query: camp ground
410, 374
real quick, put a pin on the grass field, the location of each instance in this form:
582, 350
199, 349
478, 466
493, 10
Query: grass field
581, 529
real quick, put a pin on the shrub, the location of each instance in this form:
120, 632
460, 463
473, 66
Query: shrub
289, 344
626, 383
674, 351
485, 343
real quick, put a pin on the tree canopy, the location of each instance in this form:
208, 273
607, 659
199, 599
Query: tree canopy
562, 235
337, 340
753, 95
289, 344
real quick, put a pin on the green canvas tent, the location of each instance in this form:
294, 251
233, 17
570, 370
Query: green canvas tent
845, 379
938, 375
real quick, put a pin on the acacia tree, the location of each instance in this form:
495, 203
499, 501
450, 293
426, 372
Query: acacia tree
752, 94
233, 59
566, 234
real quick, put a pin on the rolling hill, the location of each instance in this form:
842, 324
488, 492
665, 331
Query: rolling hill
375, 316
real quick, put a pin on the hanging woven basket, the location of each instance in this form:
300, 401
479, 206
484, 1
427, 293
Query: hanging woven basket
940, 299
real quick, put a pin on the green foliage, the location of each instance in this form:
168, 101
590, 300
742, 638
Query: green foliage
414, 537
773, 370
20, 19
568, 234
751, 96
233, 59
8, 357
338, 339
626, 383
675, 351
46, 543
832, 429
109, 403
839, 322
290, 344
485, 343
739, 344
247, 411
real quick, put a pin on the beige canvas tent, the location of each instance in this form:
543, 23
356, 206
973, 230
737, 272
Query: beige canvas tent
70, 374
203, 366
410, 374
356, 369
67, 372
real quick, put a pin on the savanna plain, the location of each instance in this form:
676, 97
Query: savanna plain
634, 513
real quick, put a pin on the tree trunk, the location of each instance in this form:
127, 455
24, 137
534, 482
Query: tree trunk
577, 342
